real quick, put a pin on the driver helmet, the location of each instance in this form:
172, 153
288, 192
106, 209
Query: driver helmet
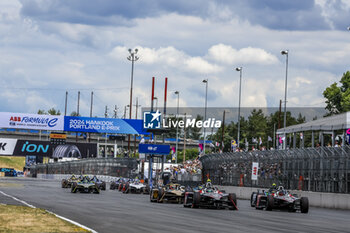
274, 185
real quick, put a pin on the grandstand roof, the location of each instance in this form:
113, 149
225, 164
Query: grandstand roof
337, 122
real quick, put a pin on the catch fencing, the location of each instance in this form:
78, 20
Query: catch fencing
125, 167
322, 169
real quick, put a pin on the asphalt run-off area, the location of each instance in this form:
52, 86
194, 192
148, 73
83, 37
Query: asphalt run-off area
113, 211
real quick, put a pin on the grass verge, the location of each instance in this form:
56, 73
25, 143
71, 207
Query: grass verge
16, 162
25, 219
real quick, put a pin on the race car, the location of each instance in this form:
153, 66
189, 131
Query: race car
135, 186
279, 199
101, 184
85, 186
169, 193
210, 197
67, 183
122, 184
115, 184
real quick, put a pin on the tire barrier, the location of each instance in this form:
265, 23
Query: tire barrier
322, 169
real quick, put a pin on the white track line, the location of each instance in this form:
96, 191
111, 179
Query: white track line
58, 216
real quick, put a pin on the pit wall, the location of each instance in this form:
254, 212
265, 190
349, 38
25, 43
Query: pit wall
316, 199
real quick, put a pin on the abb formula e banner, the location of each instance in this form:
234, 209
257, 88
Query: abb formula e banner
103, 125
31, 121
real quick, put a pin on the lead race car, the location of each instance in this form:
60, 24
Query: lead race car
279, 199
210, 197
85, 185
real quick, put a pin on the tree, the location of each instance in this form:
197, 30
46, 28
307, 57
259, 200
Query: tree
53, 111
338, 97
41, 112
74, 113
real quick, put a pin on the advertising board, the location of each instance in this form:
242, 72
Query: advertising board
31, 121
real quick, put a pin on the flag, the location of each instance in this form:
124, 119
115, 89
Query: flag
200, 147
217, 144
260, 141
254, 140
173, 153
269, 139
211, 145
301, 136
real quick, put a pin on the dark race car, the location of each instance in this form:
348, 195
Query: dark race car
115, 184
169, 193
67, 183
85, 186
279, 199
122, 184
210, 197
101, 184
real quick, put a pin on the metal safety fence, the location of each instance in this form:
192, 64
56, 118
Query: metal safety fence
125, 167
322, 169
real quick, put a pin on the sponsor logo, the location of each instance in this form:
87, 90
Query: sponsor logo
2, 146
34, 148
151, 120
33, 121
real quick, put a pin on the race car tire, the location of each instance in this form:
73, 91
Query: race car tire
147, 189
73, 188
126, 190
103, 186
252, 203
112, 186
160, 195
196, 200
64, 183
232, 198
304, 205
269, 204
186, 204
152, 196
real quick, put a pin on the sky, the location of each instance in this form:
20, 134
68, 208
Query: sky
48, 47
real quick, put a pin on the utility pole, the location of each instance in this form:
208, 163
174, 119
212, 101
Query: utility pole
76, 135
91, 104
133, 58
115, 111
184, 158
223, 131
106, 116
65, 105
136, 106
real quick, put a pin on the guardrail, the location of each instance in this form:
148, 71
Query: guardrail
322, 169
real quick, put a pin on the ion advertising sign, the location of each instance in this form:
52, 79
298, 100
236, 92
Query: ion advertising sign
31, 121
103, 125
255, 169
154, 149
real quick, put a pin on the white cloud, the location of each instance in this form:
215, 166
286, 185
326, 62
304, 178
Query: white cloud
228, 55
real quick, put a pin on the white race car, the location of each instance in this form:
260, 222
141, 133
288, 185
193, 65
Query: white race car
135, 186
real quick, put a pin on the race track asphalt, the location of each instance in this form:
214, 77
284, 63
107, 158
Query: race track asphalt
112, 211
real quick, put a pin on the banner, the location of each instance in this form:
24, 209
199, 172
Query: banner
31, 121
154, 149
46, 149
255, 169
7, 146
103, 125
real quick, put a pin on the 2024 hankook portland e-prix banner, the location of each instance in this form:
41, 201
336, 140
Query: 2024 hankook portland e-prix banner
70, 123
